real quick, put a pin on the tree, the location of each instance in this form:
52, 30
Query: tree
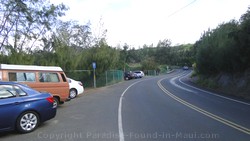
164, 43
24, 22
124, 56
162, 55
74, 34
224, 49
243, 39
105, 57
149, 64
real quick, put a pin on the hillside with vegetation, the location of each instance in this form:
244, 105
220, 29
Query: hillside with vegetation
223, 56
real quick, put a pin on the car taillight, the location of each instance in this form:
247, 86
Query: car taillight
50, 99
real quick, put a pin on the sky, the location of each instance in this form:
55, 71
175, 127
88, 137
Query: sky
139, 22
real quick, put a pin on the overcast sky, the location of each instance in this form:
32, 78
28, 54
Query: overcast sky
139, 22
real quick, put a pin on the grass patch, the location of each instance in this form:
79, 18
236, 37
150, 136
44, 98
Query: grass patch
207, 82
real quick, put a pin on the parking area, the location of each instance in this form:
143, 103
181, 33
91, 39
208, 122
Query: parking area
87, 117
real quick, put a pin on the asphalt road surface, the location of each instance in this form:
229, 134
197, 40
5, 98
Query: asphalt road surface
166, 107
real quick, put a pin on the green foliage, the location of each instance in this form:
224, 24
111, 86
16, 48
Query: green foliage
105, 57
225, 49
44, 58
24, 22
214, 48
149, 64
208, 82
164, 68
182, 55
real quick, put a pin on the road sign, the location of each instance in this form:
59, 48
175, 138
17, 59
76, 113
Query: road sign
94, 65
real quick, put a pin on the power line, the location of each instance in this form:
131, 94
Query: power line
181, 8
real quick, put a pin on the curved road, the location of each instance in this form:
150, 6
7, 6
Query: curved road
158, 108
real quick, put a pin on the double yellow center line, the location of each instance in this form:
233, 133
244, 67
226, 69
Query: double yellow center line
204, 112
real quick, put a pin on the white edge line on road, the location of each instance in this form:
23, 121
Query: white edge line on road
172, 81
211, 92
120, 128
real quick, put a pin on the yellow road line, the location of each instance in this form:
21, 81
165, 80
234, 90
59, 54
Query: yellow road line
204, 112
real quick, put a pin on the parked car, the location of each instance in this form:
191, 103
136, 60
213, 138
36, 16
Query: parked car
136, 75
23, 108
139, 74
75, 88
128, 75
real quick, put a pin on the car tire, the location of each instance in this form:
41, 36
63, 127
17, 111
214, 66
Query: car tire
56, 102
27, 122
72, 93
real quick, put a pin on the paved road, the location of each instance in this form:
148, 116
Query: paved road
152, 108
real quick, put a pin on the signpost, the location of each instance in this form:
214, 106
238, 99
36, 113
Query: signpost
94, 67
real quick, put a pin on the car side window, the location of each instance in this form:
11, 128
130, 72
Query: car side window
22, 76
63, 77
48, 77
19, 91
7, 91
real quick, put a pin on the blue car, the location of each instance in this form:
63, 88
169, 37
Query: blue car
23, 108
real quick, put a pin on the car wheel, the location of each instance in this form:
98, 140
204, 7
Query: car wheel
27, 122
56, 102
72, 93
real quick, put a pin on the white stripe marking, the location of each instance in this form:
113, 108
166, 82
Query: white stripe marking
172, 81
120, 128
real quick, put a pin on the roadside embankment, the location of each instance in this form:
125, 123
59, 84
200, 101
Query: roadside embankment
237, 84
